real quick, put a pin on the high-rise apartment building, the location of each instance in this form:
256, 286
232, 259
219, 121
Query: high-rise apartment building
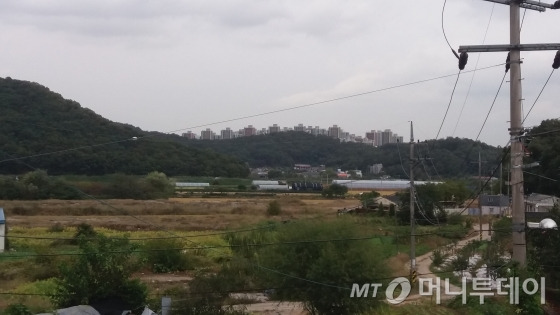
335, 132
249, 131
227, 134
207, 134
274, 129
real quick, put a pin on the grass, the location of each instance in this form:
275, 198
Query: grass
191, 218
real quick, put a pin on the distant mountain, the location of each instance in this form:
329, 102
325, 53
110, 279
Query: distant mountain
447, 158
35, 122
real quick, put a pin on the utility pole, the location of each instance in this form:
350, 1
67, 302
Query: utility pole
412, 225
479, 196
516, 130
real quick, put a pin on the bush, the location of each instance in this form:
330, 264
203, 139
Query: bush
101, 272
336, 263
437, 258
165, 255
455, 219
273, 208
56, 228
17, 309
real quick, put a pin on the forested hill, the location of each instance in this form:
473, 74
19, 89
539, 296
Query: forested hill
449, 158
34, 122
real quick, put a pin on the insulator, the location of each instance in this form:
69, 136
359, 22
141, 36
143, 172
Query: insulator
507, 63
463, 60
556, 63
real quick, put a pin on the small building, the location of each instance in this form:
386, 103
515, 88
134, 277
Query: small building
494, 205
2, 230
540, 203
191, 185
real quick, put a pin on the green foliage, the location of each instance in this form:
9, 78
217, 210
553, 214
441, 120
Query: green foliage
543, 251
392, 210
429, 209
211, 303
165, 255
544, 148
338, 264
36, 121
155, 185
335, 190
437, 258
491, 306
274, 174
284, 149
36, 185
17, 309
368, 199
455, 219
273, 208
101, 271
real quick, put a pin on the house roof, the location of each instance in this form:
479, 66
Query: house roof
2, 216
541, 199
494, 200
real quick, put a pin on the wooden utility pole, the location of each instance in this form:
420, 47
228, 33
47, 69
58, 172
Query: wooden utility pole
516, 130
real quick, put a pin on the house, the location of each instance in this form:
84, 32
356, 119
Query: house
494, 205
540, 203
2, 230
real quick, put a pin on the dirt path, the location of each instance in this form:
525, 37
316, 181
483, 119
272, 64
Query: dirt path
424, 262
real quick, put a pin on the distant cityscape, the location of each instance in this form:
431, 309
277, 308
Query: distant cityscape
373, 137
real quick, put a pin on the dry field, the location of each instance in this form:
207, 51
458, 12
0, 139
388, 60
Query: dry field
190, 214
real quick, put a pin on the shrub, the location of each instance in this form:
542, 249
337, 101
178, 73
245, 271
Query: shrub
437, 258
56, 228
273, 208
17, 309
165, 255
326, 262
101, 271
455, 219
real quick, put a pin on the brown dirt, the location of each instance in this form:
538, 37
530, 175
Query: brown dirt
191, 214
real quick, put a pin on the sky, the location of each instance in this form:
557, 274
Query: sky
175, 66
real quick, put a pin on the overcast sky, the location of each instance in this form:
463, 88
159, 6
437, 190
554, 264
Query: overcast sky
167, 65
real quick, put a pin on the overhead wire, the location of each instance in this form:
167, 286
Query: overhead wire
474, 72
448, 105
139, 137
538, 96
491, 107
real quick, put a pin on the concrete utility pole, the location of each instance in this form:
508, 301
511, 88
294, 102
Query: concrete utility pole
412, 222
516, 130
480, 194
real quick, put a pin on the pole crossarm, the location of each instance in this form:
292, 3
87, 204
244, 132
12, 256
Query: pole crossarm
529, 4
507, 47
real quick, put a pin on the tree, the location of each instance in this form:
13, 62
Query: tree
335, 190
158, 186
327, 266
101, 271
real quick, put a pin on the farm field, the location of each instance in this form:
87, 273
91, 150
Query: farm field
187, 214
38, 229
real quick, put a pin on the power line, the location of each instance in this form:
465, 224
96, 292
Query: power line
474, 72
492, 106
145, 238
247, 116
538, 96
443, 30
448, 105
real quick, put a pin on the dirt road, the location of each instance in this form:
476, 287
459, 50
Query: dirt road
424, 262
